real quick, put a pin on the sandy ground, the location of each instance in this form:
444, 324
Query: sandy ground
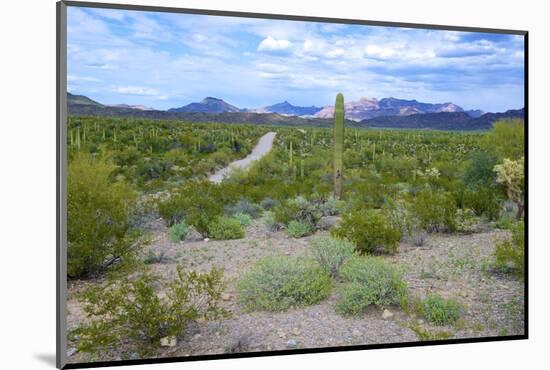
451, 265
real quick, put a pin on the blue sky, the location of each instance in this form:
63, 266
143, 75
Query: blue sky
166, 60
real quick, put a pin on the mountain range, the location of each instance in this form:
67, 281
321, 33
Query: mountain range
207, 105
366, 112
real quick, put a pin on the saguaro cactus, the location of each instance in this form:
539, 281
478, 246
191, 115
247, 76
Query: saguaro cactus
290, 155
338, 145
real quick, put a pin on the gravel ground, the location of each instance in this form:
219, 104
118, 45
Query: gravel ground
451, 265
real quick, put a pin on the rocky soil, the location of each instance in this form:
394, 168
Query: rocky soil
451, 265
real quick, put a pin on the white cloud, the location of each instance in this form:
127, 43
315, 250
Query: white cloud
136, 90
271, 44
379, 52
73, 78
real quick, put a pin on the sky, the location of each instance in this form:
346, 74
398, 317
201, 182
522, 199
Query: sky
167, 60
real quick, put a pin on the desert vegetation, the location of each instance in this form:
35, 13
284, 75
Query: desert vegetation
335, 237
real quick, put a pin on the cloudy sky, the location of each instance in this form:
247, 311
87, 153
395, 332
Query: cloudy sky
166, 60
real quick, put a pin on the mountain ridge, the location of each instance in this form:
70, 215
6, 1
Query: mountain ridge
456, 121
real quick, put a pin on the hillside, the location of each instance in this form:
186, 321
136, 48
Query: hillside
454, 121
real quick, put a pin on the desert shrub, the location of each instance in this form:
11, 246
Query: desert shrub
483, 201
269, 222
465, 220
98, 216
277, 283
506, 139
297, 229
370, 281
268, 203
399, 216
419, 238
331, 253
509, 255
155, 257
131, 311
435, 210
369, 230
225, 228
331, 207
299, 209
178, 231
244, 219
505, 223
479, 171
439, 310
198, 202
245, 206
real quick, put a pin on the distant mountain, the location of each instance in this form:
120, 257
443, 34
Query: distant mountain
474, 113
81, 99
288, 109
456, 121
140, 107
366, 108
207, 105
488, 118
443, 120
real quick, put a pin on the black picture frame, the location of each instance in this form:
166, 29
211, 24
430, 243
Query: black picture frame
61, 161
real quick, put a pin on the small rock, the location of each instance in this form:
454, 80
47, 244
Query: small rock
206, 239
193, 235
296, 331
356, 333
134, 356
169, 341
291, 344
196, 336
421, 321
287, 253
71, 351
226, 296
387, 314
328, 222
281, 334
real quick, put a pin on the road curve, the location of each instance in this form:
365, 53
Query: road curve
262, 148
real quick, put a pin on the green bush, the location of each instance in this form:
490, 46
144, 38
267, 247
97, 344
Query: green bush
198, 202
479, 171
509, 255
505, 223
268, 203
506, 139
331, 253
299, 209
440, 311
370, 230
370, 281
331, 207
130, 311
270, 223
98, 216
249, 208
277, 283
178, 232
297, 229
244, 219
483, 201
465, 220
435, 210
225, 228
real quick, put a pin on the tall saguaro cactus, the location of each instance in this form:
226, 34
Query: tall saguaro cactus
338, 145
